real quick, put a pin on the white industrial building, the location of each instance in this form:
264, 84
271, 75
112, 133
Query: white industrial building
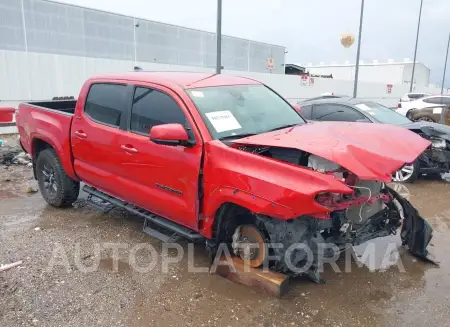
389, 72
48, 49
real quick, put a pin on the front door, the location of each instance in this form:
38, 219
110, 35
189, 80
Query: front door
162, 179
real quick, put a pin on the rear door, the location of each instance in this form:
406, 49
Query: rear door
162, 179
96, 136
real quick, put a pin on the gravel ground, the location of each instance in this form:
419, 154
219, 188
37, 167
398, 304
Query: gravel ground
37, 294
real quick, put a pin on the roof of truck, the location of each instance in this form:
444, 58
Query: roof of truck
185, 80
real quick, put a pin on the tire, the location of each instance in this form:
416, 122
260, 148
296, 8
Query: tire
58, 189
410, 178
425, 118
408, 114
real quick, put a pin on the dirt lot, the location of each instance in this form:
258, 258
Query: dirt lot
35, 295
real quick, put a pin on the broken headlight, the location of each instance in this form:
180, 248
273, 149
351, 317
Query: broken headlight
438, 143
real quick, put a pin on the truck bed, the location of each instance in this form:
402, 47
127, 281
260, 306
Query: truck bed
66, 106
47, 122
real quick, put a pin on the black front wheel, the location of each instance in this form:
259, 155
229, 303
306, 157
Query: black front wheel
56, 187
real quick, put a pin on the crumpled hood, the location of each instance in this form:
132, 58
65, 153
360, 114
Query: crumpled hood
430, 129
371, 151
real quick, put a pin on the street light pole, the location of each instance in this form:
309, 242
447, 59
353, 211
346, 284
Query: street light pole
415, 49
219, 37
445, 65
355, 85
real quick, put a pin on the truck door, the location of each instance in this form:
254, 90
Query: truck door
162, 179
98, 125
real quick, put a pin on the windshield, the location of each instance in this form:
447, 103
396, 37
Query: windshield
242, 110
383, 114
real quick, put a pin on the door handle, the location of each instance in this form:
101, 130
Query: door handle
129, 149
80, 134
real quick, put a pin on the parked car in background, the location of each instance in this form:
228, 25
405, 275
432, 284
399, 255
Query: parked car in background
430, 101
436, 159
413, 96
431, 114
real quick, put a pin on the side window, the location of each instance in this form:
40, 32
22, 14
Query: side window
446, 101
306, 111
434, 100
152, 107
106, 103
334, 112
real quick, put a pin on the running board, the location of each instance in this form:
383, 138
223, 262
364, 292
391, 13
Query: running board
101, 205
168, 230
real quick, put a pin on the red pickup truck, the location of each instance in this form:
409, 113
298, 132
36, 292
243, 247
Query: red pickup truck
223, 159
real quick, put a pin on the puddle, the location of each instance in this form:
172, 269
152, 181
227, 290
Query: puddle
379, 253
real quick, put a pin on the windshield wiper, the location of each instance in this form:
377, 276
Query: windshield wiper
281, 127
240, 136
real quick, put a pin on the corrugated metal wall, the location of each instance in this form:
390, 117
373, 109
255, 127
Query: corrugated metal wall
39, 76
47, 27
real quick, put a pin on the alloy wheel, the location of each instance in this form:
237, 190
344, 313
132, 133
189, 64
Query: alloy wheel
404, 173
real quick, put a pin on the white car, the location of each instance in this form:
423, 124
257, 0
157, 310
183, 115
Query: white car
428, 101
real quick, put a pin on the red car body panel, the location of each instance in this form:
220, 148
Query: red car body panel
166, 180
50, 127
370, 153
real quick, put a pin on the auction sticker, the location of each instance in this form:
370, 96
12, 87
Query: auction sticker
223, 121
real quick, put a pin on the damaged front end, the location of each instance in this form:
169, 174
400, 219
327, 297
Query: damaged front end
373, 210
353, 220
436, 158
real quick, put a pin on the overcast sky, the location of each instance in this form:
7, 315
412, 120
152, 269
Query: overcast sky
310, 29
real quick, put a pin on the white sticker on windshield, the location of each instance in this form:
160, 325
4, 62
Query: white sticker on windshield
437, 110
223, 121
363, 106
197, 94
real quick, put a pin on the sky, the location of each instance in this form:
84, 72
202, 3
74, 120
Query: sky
311, 29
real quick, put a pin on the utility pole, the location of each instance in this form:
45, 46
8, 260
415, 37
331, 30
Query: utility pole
219, 37
355, 86
415, 49
446, 108
445, 65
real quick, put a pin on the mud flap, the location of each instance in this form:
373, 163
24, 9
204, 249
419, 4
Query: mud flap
416, 232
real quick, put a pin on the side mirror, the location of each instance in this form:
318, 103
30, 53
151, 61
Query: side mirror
170, 134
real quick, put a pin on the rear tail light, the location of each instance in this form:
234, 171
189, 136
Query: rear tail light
399, 105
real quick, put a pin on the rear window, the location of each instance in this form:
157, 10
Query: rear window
416, 95
106, 103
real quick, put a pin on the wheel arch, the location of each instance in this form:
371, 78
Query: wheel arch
227, 217
39, 144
